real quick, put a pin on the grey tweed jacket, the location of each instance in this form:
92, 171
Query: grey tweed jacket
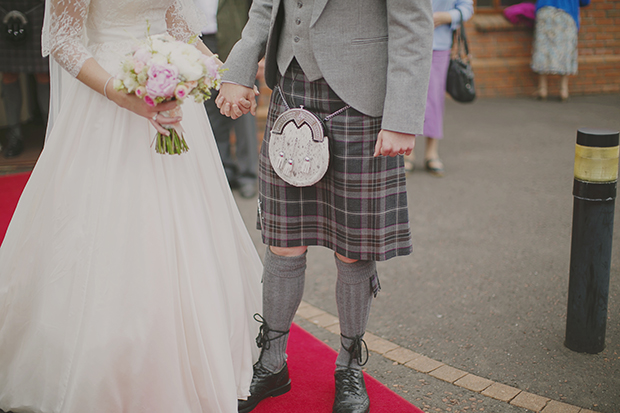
375, 54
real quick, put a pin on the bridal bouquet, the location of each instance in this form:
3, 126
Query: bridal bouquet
161, 68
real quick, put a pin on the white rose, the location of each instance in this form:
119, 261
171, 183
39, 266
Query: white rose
163, 47
191, 71
188, 62
159, 58
130, 83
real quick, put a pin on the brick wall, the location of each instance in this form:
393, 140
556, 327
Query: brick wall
501, 54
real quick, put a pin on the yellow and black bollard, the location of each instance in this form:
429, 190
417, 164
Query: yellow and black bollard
594, 192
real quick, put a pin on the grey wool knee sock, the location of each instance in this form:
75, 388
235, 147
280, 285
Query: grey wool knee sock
12, 97
356, 285
283, 288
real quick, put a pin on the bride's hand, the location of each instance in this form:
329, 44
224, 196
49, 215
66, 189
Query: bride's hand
139, 107
93, 75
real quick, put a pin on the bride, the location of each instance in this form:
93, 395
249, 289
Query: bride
128, 281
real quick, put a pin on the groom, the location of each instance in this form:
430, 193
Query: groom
373, 55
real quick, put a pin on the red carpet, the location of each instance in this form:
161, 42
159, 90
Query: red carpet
311, 362
311, 366
11, 187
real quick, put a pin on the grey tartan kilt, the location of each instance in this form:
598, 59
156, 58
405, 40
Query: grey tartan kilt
23, 57
359, 208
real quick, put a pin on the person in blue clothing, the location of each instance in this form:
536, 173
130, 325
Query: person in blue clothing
555, 42
446, 18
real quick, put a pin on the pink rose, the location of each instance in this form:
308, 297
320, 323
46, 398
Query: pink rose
141, 92
162, 80
138, 65
149, 100
212, 67
181, 92
142, 55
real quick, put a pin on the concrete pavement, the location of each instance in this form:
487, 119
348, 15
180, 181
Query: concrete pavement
485, 291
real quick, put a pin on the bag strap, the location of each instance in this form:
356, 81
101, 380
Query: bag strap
461, 37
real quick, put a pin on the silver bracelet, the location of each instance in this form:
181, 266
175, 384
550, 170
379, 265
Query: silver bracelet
105, 92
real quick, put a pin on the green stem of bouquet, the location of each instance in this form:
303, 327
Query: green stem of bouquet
172, 145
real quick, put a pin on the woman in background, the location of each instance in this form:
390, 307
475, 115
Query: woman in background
555, 43
447, 18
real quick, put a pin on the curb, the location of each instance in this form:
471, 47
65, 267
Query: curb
441, 371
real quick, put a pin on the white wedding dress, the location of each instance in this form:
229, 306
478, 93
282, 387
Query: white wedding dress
128, 280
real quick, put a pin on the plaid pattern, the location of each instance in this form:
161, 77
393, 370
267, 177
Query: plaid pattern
23, 57
359, 208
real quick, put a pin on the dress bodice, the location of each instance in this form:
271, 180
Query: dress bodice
75, 29
122, 19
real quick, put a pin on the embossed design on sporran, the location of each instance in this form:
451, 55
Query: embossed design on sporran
298, 148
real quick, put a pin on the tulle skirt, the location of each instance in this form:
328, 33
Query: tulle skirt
128, 280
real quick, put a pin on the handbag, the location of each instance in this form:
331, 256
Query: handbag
460, 82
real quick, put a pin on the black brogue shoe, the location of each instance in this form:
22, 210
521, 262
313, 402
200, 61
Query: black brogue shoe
14, 145
265, 384
351, 395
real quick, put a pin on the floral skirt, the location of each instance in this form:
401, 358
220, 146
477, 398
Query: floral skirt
555, 43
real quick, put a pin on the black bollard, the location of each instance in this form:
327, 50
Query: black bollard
594, 192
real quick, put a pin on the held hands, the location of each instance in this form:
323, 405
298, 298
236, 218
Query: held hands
235, 100
391, 143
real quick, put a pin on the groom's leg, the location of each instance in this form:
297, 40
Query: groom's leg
357, 284
12, 97
283, 287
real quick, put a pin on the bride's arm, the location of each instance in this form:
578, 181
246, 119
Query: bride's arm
182, 23
66, 33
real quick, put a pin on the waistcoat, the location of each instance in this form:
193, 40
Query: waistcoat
295, 38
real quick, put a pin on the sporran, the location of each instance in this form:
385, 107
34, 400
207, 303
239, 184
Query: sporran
15, 24
298, 147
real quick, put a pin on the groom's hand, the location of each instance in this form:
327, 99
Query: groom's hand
391, 143
235, 100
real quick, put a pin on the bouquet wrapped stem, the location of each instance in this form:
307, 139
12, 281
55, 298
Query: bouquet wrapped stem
174, 144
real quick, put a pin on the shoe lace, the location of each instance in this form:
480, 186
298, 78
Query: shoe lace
349, 384
263, 340
357, 349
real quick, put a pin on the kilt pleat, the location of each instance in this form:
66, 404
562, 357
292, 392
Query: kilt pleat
359, 208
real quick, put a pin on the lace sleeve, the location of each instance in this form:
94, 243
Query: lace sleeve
63, 33
184, 20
